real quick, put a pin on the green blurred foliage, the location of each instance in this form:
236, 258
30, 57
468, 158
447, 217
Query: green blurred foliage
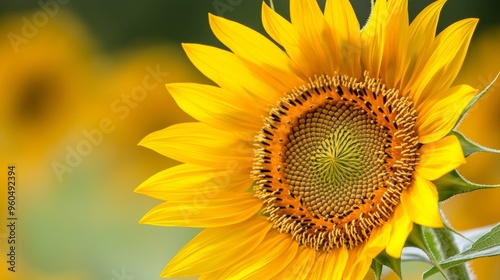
118, 24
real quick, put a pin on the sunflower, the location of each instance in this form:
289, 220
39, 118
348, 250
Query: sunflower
311, 159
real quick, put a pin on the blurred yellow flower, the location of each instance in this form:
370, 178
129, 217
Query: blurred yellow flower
356, 130
95, 147
133, 91
44, 84
130, 101
481, 167
485, 116
45, 80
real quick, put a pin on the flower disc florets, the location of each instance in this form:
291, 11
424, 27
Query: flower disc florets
333, 158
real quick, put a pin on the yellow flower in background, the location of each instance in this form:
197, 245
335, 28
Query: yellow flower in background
308, 163
45, 79
483, 55
481, 167
131, 101
133, 94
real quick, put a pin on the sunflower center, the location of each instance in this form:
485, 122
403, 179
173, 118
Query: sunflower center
333, 158
337, 158
332, 155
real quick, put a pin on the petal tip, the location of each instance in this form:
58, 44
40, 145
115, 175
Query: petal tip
138, 189
143, 142
394, 253
143, 220
212, 18
167, 273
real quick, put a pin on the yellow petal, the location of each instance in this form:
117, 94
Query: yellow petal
251, 45
373, 39
445, 62
421, 41
440, 157
316, 270
396, 42
420, 201
357, 264
300, 266
401, 228
361, 269
257, 52
231, 73
379, 239
268, 259
354, 257
216, 248
340, 259
361, 257
330, 265
315, 36
285, 34
205, 209
200, 144
185, 180
438, 115
217, 107
344, 24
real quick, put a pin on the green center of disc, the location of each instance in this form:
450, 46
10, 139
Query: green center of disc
338, 158
334, 159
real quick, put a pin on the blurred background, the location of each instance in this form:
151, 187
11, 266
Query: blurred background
82, 82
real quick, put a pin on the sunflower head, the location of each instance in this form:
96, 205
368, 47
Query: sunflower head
348, 127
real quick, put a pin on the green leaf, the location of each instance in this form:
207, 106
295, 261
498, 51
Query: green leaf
432, 243
469, 147
450, 228
470, 236
476, 98
413, 254
442, 243
377, 269
384, 259
454, 183
487, 245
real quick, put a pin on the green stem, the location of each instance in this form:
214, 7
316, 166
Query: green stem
445, 248
439, 245
418, 239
